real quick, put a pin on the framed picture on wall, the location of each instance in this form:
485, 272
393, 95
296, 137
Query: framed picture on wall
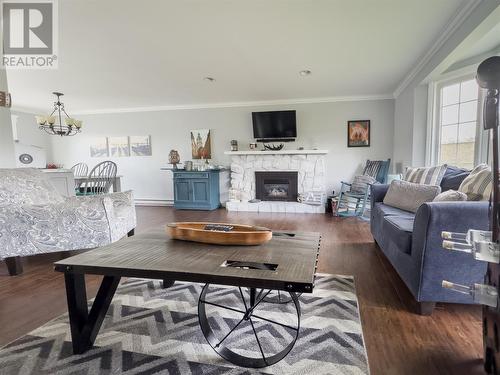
200, 144
119, 146
140, 145
99, 148
358, 133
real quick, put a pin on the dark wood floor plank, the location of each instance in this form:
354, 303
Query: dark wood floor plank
398, 341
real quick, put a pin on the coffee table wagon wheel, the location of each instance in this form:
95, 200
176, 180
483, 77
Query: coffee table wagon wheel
277, 296
244, 329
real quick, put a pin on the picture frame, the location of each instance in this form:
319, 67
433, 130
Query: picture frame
201, 144
140, 145
99, 148
358, 133
119, 146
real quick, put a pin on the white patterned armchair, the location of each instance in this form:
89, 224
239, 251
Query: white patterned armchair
35, 218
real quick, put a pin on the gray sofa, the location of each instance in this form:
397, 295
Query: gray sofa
412, 243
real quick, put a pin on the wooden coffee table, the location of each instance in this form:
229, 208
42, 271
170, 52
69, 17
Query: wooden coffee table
286, 264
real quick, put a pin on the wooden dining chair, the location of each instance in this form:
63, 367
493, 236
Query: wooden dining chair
79, 170
100, 179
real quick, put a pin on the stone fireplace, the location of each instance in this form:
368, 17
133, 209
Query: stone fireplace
247, 166
276, 186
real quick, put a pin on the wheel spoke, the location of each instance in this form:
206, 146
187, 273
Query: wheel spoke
222, 307
257, 304
275, 322
260, 293
231, 331
258, 342
243, 299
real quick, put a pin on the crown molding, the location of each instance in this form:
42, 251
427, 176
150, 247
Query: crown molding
234, 104
457, 20
332, 99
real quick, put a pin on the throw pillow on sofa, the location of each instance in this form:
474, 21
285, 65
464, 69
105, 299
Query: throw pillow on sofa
453, 177
450, 196
409, 196
477, 185
425, 175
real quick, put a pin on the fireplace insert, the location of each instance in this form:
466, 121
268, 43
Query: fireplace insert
276, 186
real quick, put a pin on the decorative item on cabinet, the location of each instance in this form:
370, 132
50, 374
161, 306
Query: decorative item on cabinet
234, 145
252, 145
174, 158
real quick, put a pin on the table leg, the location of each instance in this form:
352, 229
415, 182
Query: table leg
117, 185
84, 324
167, 283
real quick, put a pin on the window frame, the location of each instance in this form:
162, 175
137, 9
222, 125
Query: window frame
434, 126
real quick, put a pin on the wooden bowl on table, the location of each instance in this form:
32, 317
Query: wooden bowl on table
219, 233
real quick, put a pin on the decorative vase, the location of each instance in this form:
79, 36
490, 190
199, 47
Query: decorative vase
174, 158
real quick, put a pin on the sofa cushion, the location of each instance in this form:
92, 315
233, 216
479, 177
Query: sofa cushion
410, 196
398, 230
382, 210
477, 185
20, 186
425, 175
453, 177
450, 196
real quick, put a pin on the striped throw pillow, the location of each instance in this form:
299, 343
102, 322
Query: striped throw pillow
478, 184
425, 175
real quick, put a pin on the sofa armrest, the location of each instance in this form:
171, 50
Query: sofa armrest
437, 264
377, 194
68, 225
120, 209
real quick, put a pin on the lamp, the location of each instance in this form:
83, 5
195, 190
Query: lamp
53, 124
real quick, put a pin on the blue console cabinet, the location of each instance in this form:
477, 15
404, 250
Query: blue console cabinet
195, 190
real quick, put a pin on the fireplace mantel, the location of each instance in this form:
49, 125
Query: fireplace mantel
280, 152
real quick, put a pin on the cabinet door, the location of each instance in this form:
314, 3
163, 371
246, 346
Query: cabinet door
182, 190
201, 190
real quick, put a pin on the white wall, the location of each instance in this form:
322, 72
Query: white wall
410, 117
7, 159
410, 130
29, 133
320, 125
31, 140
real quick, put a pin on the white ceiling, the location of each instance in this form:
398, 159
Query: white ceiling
123, 54
488, 42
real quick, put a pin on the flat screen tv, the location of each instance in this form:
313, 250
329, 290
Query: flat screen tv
274, 126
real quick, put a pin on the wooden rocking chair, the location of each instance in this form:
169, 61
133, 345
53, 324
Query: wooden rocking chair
353, 197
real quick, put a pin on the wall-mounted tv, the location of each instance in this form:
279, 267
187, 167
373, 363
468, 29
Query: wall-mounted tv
274, 126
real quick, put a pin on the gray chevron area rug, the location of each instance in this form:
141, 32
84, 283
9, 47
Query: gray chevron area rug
152, 330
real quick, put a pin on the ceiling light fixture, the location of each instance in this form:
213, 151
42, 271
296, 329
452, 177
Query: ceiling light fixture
209, 79
59, 122
305, 72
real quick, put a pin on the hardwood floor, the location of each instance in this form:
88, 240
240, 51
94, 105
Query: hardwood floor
398, 341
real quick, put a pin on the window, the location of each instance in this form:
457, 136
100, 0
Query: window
457, 123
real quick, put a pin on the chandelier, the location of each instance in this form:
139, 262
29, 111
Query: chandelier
59, 122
